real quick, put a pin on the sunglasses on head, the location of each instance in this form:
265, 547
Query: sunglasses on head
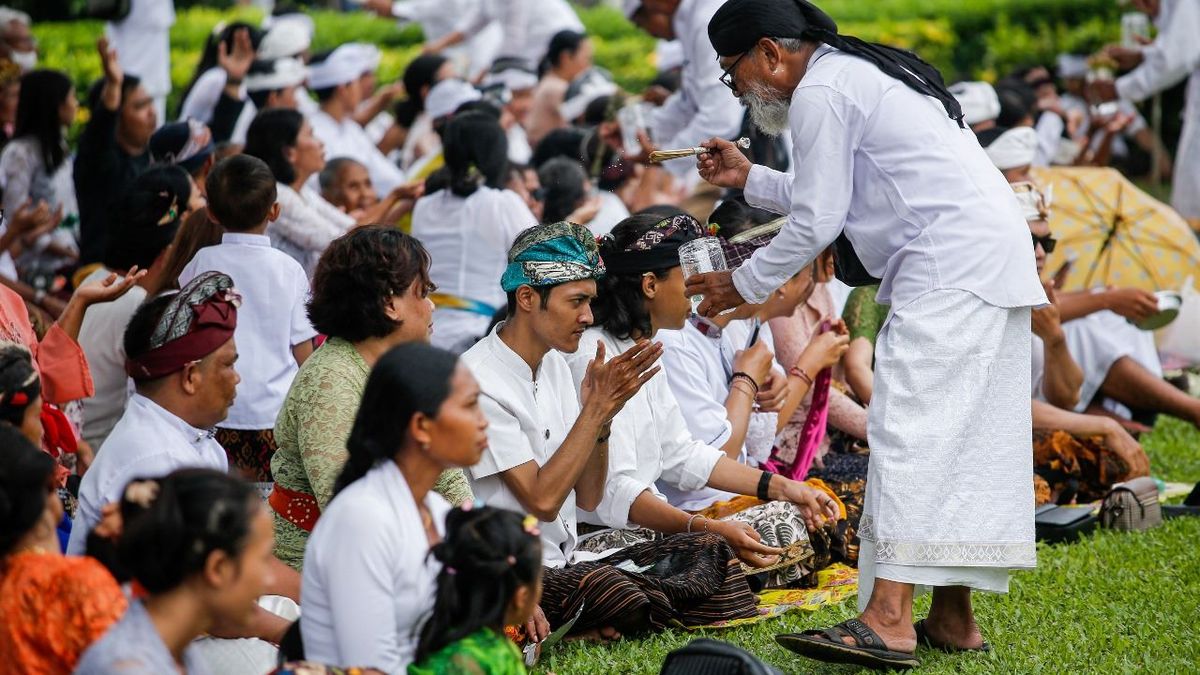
1048, 242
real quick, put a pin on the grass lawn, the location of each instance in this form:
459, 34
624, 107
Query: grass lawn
1112, 603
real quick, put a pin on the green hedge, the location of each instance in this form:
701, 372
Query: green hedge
965, 38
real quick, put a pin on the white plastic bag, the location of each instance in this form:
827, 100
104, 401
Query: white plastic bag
1181, 339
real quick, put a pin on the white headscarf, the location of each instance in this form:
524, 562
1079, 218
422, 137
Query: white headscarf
978, 100
1014, 148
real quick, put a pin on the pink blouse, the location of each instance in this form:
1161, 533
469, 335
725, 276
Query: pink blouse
792, 335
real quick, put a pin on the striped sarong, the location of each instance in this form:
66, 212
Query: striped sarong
684, 579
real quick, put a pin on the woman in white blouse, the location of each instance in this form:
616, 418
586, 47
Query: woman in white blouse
368, 579
468, 226
651, 443
307, 223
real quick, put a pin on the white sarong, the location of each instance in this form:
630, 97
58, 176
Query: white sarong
949, 495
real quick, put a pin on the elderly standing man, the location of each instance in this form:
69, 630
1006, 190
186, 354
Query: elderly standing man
702, 108
887, 173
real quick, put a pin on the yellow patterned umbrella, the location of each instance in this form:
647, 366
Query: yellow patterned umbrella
1116, 234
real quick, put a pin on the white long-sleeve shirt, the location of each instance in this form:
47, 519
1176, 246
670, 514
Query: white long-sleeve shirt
650, 440
703, 107
306, 225
149, 440
368, 580
916, 195
439, 18
468, 241
1174, 55
526, 25
348, 139
698, 367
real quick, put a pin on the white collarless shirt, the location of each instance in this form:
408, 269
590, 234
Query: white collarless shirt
528, 419
650, 441
468, 241
148, 442
916, 195
271, 320
368, 580
348, 139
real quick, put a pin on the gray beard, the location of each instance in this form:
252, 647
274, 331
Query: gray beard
768, 112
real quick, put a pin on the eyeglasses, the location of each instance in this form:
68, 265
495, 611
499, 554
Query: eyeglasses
1048, 242
727, 76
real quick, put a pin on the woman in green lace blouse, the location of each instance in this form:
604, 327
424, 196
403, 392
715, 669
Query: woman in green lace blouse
369, 294
864, 319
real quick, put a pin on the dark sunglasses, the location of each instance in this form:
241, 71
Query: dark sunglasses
727, 76
1048, 242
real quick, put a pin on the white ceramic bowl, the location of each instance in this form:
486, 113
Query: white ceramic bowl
1169, 303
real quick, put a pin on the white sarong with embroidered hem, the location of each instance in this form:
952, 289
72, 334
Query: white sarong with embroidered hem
949, 495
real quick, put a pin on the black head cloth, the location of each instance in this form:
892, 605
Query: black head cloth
739, 24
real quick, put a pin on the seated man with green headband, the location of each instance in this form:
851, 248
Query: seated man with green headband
548, 450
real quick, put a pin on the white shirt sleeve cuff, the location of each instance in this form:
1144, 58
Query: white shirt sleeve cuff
763, 190
750, 288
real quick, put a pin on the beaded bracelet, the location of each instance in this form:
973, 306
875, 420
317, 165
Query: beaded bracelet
799, 372
749, 380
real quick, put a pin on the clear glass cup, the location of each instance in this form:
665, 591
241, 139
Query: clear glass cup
1135, 29
699, 256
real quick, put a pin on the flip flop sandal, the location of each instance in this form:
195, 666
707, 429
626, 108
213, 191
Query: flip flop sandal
868, 650
924, 638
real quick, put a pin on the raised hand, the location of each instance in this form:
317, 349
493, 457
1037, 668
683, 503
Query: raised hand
723, 165
1047, 323
236, 63
607, 386
718, 290
109, 62
755, 362
110, 288
31, 222
826, 349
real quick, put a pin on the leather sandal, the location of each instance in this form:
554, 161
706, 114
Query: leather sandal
828, 645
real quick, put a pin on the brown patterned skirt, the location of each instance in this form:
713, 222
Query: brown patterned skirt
684, 579
249, 452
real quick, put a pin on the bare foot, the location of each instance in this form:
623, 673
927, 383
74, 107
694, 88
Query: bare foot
960, 632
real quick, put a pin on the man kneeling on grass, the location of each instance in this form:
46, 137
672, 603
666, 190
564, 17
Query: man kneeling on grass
548, 450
